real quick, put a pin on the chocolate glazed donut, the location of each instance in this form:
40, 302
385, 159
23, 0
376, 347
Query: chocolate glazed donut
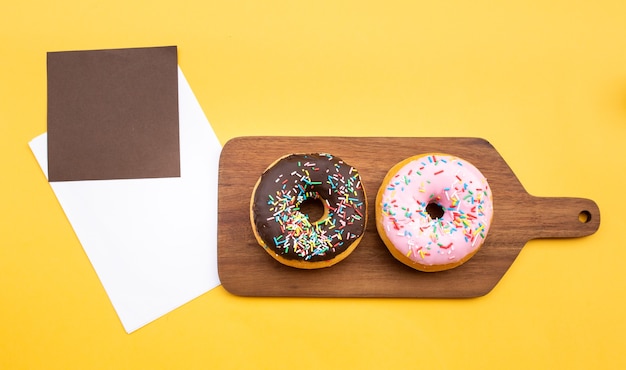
286, 232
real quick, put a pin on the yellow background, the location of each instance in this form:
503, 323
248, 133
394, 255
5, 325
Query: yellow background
543, 81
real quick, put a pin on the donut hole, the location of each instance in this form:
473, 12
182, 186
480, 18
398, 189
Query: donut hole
434, 210
313, 209
584, 216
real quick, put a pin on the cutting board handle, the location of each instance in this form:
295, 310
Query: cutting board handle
562, 217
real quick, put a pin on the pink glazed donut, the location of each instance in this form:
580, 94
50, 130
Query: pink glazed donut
433, 211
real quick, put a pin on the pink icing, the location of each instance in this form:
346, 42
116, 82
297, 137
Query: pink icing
456, 186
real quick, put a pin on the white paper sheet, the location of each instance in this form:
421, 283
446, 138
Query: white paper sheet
152, 242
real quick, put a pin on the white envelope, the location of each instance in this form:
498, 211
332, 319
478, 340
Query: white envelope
152, 242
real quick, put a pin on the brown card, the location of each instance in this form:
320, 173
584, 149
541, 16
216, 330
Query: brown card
113, 114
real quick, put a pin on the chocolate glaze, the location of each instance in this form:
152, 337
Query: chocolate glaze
289, 182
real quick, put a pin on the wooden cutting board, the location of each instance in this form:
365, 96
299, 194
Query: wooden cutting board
370, 271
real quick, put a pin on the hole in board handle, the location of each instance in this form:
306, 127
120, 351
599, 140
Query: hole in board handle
584, 217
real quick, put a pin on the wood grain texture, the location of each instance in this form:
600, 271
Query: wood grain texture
370, 271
